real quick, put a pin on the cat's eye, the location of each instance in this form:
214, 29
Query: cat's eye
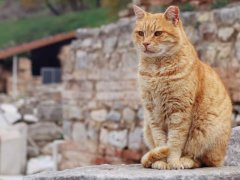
140, 33
157, 33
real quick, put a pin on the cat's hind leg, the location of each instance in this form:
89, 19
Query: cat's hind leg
214, 157
189, 163
154, 155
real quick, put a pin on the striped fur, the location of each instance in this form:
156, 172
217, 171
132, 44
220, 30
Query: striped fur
187, 110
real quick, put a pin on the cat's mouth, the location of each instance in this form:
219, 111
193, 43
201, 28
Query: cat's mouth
148, 51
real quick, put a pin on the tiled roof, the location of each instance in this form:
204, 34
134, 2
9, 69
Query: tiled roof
36, 44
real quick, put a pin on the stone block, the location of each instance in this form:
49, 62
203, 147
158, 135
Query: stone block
128, 115
109, 44
103, 136
140, 113
79, 132
50, 112
225, 33
135, 139
237, 47
118, 138
136, 172
233, 153
116, 85
13, 150
46, 131
39, 164
116, 95
99, 115
113, 116
207, 30
129, 59
227, 16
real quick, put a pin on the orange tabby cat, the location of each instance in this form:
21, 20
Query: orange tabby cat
187, 110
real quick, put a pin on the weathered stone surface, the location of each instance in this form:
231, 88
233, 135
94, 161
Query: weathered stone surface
99, 115
13, 148
225, 33
227, 16
208, 52
128, 115
50, 112
207, 30
113, 116
79, 133
44, 131
140, 114
118, 138
116, 85
135, 138
137, 172
233, 153
237, 47
39, 164
110, 44
73, 112
115, 138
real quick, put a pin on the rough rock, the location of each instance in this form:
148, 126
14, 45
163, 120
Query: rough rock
30, 118
110, 44
44, 131
237, 47
137, 172
128, 115
39, 164
233, 153
50, 111
115, 138
140, 114
13, 148
99, 115
10, 113
225, 33
227, 16
118, 138
135, 138
79, 133
113, 116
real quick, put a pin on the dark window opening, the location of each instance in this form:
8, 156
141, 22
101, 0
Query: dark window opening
45, 62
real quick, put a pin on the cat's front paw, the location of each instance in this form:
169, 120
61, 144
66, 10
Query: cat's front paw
175, 164
162, 165
145, 161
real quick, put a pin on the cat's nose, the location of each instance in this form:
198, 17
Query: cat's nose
146, 44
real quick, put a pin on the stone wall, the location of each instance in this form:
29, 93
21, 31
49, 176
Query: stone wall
101, 107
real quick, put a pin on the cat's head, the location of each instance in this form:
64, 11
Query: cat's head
157, 35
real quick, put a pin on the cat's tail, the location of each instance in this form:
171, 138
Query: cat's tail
154, 155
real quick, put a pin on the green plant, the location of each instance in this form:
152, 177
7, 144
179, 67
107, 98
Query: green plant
31, 28
219, 3
186, 7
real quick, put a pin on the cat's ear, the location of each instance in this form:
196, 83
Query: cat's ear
172, 14
139, 12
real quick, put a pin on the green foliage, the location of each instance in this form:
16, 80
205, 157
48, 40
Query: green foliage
114, 6
219, 3
23, 30
186, 7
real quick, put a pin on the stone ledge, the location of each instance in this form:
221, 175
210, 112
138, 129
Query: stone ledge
137, 172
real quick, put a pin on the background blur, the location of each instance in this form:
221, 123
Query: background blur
68, 73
